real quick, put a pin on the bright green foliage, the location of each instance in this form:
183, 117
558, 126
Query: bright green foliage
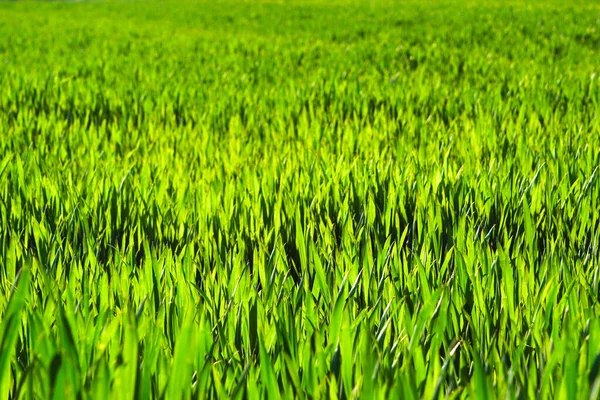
300, 199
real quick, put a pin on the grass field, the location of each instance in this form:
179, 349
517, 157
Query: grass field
306, 199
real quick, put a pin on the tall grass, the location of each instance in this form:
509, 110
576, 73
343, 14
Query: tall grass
300, 199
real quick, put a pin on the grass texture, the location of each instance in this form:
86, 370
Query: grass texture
301, 199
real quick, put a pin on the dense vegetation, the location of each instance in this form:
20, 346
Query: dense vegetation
300, 199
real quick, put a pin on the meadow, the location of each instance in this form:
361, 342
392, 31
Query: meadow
300, 199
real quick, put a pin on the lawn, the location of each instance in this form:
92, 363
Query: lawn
300, 199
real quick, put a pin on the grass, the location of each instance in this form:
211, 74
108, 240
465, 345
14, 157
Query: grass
300, 199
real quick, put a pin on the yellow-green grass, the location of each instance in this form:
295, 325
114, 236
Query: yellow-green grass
306, 199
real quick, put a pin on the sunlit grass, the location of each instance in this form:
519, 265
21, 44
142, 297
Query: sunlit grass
299, 199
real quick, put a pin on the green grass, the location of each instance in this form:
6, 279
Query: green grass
305, 199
